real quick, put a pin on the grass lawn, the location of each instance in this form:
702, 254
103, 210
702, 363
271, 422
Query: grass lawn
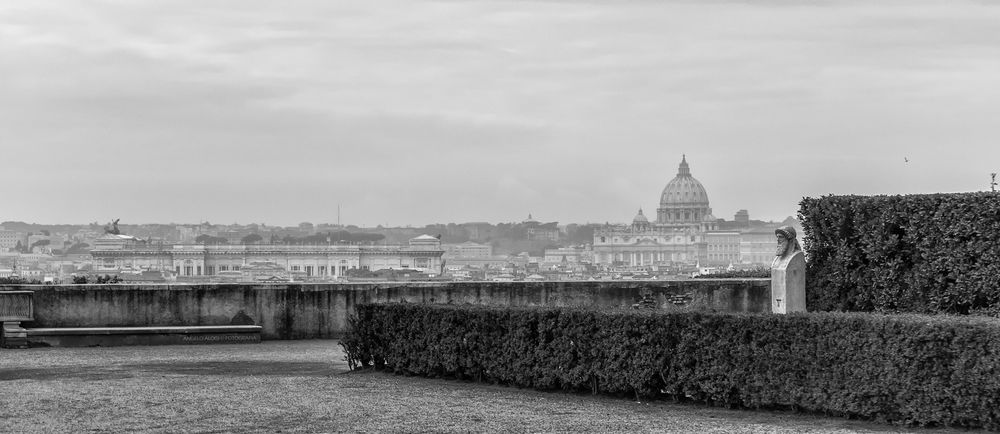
305, 386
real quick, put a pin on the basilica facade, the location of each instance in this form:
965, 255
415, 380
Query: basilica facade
676, 236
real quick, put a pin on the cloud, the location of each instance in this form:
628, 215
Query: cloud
438, 111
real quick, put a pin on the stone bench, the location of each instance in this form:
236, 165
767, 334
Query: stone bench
121, 336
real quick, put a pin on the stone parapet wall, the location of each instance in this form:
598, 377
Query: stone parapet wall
308, 311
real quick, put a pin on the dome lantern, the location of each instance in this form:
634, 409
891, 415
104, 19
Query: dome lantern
684, 170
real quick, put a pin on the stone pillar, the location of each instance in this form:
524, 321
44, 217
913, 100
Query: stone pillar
788, 283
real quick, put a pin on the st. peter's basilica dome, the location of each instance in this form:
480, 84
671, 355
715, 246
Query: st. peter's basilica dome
684, 200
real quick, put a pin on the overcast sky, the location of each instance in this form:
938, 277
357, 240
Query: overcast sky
417, 112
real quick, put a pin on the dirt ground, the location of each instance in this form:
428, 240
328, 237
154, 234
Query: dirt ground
305, 386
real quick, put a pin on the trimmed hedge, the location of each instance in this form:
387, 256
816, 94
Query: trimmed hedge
921, 370
915, 253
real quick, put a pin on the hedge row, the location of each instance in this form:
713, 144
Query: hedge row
908, 369
761, 272
915, 253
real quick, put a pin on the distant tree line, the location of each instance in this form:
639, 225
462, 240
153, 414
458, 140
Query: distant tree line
329, 237
13, 280
210, 239
82, 280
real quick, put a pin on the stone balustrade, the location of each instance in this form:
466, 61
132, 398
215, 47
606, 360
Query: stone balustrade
307, 311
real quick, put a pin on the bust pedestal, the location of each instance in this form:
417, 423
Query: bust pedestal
788, 284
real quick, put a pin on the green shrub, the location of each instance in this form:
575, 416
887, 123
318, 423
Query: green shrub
916, 253
920, 370
751, 273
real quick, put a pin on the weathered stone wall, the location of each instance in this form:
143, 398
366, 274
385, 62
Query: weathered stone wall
304, 311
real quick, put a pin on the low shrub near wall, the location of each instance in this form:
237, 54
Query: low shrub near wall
908, 369
761, 272
915, 253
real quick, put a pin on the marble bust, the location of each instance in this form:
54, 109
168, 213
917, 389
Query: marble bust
788, 273
788, 244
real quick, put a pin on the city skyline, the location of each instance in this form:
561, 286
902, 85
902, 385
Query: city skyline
415, 113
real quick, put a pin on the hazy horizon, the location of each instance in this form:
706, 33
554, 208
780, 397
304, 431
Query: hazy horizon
422, 112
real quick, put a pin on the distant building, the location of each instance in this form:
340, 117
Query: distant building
741, 222
722, 248
685, 232
757, 246
541, 231
9, 239
489, 262
464, 273
30, 273
467, 249
567, 255
121, 252
677, 235
261, 271
742, 218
